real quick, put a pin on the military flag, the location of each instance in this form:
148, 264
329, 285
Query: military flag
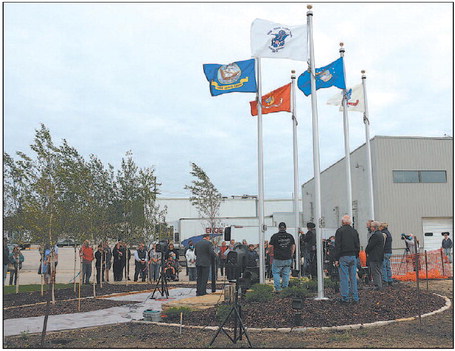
275, 101
327, 76
355, 99
275, 40
234, 77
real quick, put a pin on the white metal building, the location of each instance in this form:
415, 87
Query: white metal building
237, 211
412, 186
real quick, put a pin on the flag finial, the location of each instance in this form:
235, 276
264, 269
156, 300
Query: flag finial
341, 49
363, 74
293, 74
309, 7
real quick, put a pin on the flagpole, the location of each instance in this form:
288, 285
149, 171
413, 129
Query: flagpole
296, 174
260, 178
316, 162
366, 121
346, 142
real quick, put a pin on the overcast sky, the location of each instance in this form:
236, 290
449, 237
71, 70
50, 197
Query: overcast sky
113, 77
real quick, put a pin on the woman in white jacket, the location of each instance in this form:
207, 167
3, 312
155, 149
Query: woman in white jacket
191, 263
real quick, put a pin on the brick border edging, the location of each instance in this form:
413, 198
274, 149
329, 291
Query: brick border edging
309, 329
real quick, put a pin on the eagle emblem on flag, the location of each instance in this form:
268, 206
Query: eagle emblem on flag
278, 41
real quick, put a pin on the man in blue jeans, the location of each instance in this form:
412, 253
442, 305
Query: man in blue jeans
347, 247
386, 266
283, 249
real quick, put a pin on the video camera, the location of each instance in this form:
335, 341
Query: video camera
162, 246
405, 236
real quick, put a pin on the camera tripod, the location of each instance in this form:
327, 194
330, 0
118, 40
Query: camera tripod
161, 284
239, 327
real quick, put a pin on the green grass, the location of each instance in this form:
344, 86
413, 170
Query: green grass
11, 289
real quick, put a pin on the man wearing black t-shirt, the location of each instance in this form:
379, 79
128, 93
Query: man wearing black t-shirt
283, 249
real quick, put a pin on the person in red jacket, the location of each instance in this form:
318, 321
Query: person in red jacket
86, 254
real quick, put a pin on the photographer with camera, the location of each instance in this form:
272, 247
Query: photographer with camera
204, 254
412, 246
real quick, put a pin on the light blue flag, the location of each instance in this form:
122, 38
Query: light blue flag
327, 76
235, 77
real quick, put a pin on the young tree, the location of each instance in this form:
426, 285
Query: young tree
205, 197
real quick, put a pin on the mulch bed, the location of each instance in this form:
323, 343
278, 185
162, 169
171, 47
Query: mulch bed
26, 298
393, 302
61, 307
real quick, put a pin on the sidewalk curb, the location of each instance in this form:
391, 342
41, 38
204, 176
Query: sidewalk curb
447, 305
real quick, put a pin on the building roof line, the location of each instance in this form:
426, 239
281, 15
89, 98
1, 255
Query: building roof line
380, 137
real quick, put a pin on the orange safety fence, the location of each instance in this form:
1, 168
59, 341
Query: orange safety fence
435, 266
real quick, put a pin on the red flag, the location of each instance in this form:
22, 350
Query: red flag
275, 101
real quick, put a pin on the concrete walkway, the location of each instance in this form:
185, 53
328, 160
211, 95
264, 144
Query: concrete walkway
122, 314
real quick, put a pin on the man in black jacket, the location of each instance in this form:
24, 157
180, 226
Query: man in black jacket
347, 247
375, 253
283, 249
204, 253
309, 267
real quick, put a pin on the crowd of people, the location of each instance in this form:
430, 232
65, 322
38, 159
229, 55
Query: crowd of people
343, 259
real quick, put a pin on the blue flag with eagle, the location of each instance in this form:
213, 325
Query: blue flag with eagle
234, 77
327, 76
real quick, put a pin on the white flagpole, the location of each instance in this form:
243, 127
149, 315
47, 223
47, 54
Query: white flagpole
346, 143
296, 173
260, 179
316, 162
366, 121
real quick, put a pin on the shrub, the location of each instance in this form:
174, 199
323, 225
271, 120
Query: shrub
298, 281
311, 285
332, 284
259, 293
262, 288
296, 292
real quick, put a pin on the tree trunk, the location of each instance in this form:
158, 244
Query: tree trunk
101, 269
94, 278
74, 271
42, 273
17, 274
127, 264
46, 316
52, 274
79, 291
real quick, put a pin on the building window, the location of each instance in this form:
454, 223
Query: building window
433, 177
419, 177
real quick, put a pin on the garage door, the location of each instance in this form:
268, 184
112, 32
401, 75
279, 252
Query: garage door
432, 229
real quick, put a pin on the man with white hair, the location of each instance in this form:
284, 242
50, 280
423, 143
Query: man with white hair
375, 253
347, 247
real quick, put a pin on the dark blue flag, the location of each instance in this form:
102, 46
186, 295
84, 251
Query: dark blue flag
327, 76
235, 77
